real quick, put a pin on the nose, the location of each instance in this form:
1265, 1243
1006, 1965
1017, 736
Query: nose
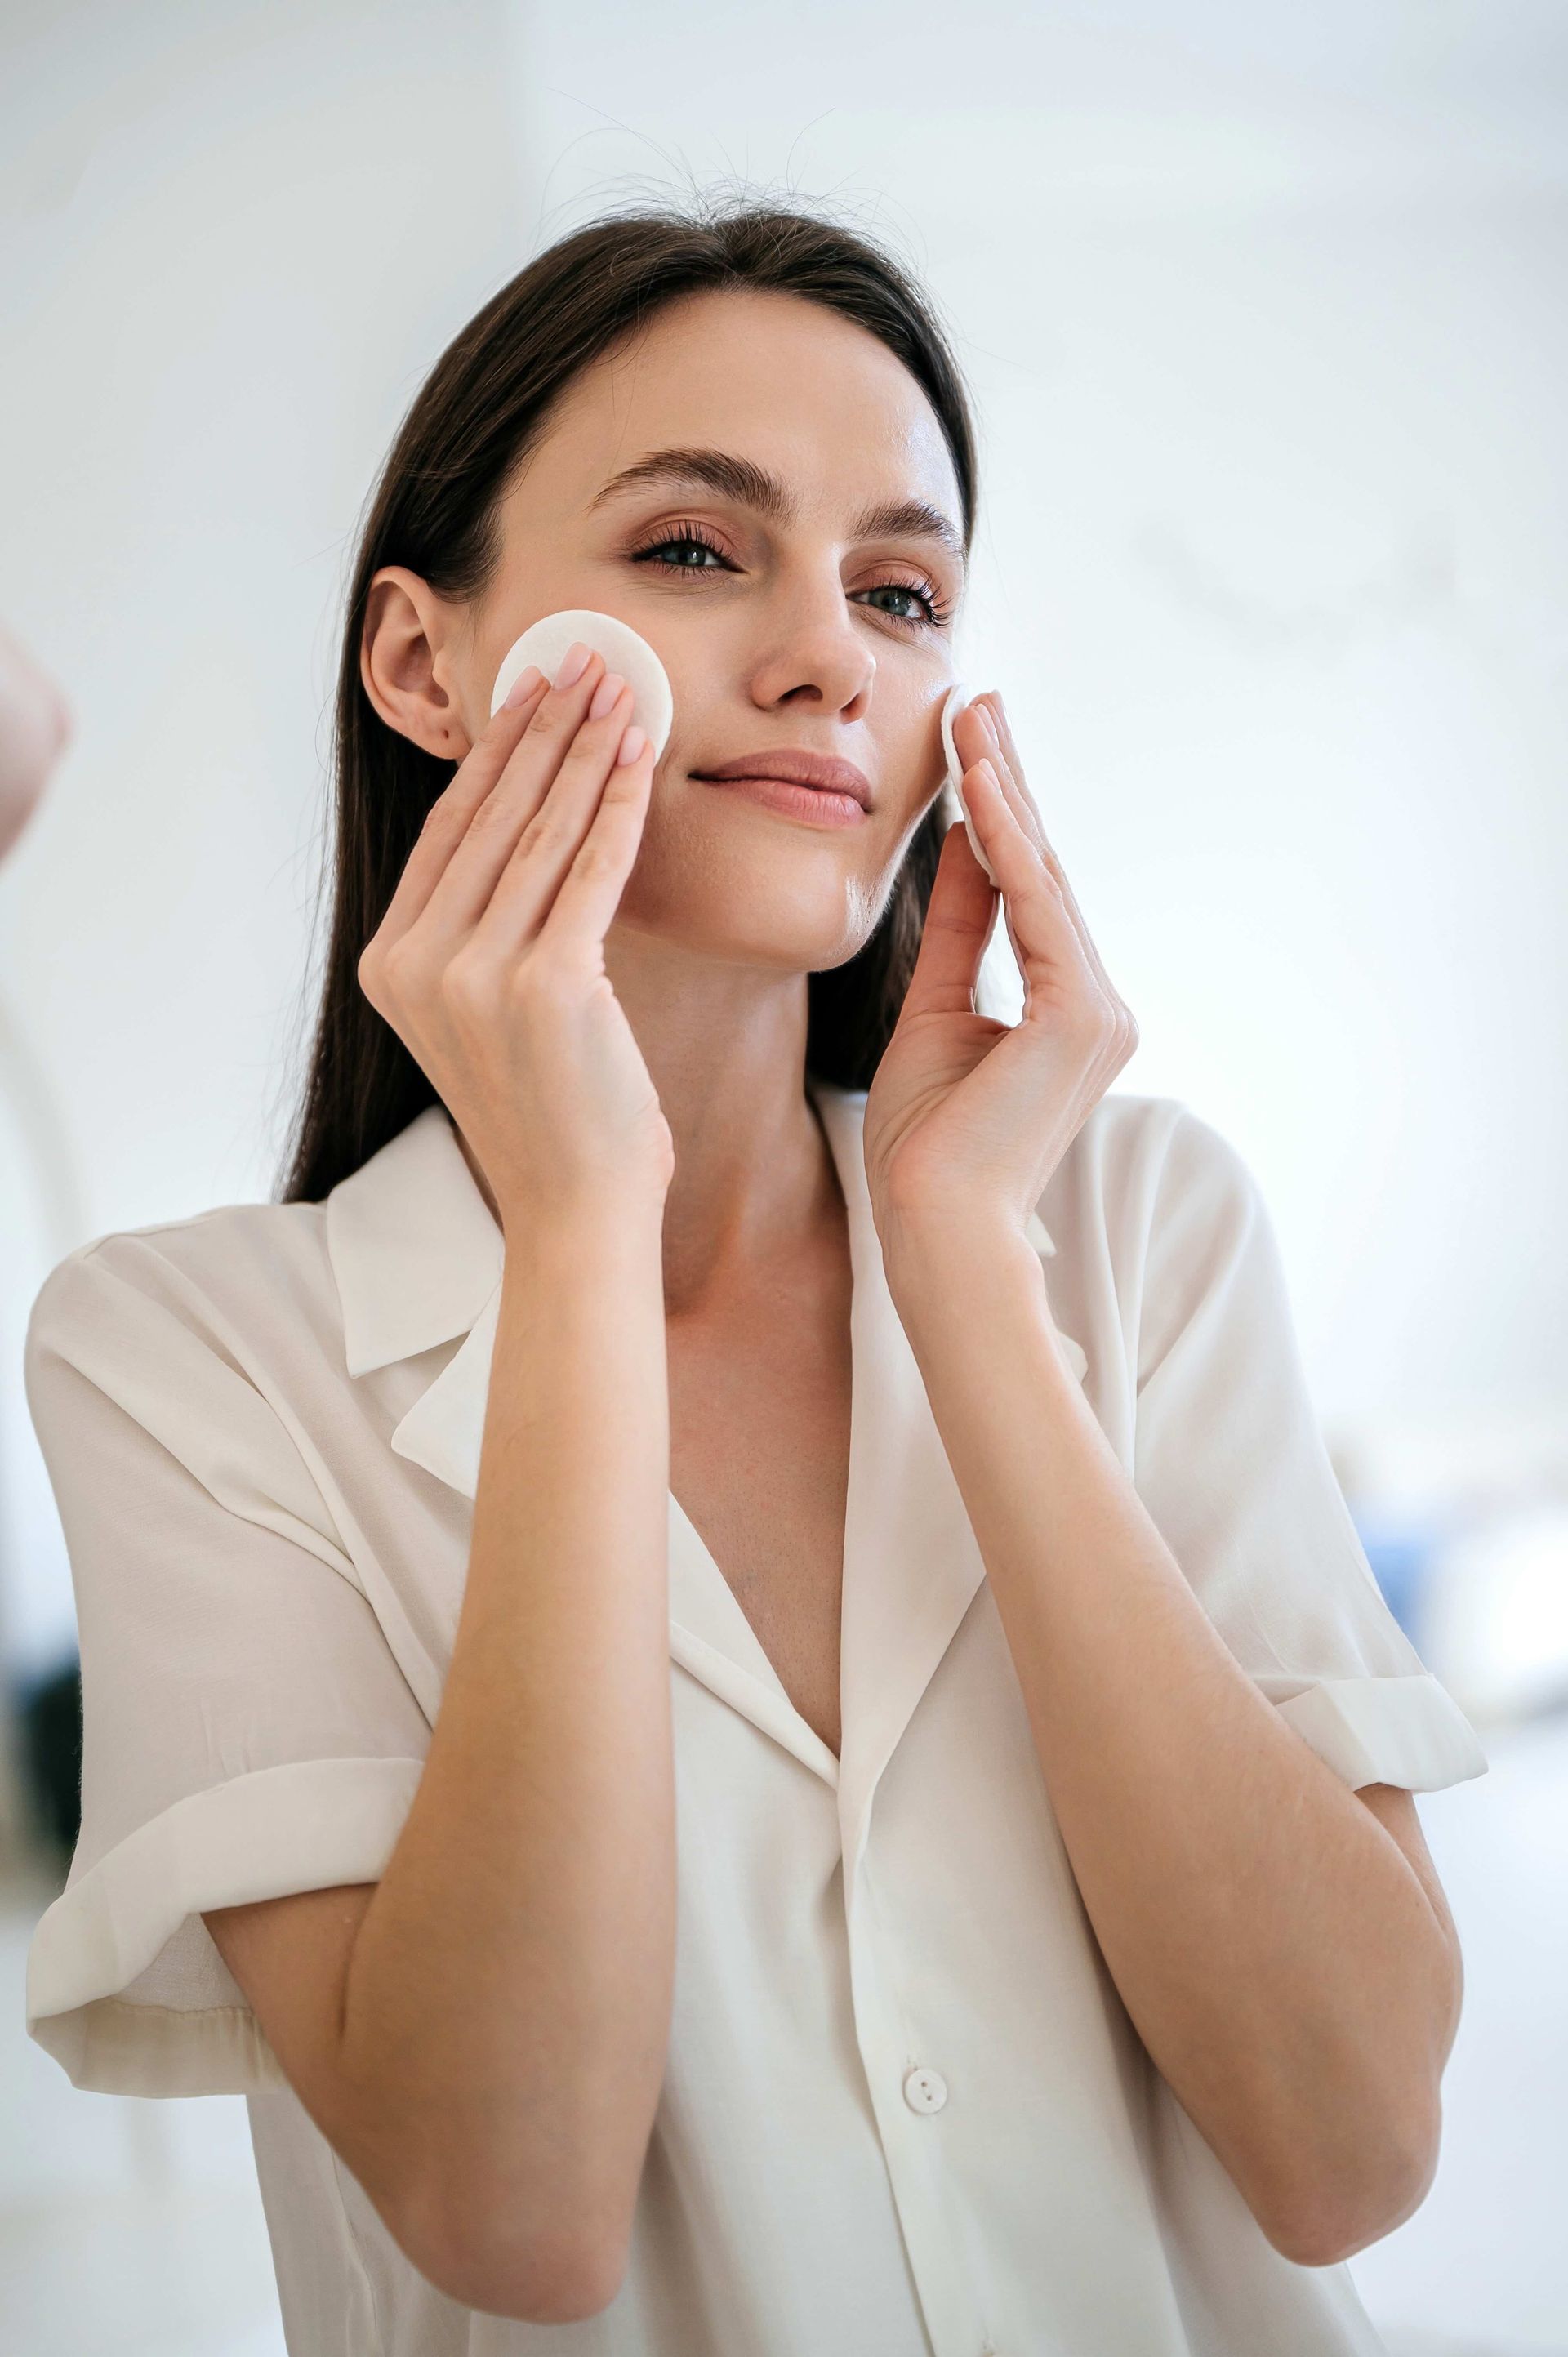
816, 660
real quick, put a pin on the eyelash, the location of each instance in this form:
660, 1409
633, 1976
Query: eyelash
936, 612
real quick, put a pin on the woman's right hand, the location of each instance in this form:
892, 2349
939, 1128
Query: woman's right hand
489, 962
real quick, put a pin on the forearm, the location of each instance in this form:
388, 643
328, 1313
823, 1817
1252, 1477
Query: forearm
516, 1966
1273, 1945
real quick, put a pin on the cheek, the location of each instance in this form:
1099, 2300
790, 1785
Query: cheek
673, 761
914, 761
700, 723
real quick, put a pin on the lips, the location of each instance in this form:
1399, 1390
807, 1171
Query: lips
796, 768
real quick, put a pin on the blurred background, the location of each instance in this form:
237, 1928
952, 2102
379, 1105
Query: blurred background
1263, 308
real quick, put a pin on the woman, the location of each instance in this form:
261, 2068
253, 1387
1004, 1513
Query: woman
731, 1764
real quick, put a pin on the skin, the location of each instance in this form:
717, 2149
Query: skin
1280, 1942
728, 907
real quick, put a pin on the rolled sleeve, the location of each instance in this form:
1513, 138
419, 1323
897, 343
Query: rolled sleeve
246, 1728
1232, 1463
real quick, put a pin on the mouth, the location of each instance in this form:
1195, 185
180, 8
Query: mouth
834, 779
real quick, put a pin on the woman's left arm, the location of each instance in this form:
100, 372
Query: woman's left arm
1280, 1939
1280, 1942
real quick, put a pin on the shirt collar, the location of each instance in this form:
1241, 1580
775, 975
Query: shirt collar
414, 1247
416, 1253
417, 1257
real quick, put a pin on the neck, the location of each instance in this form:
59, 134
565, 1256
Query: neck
755, 1183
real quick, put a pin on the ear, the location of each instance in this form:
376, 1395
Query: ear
406, 653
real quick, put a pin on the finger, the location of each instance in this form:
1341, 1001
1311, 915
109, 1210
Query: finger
1004, 754
985, 741
1022, 801
541, 858
462, 892
592, 887
960, 917
447, 821
1120, 1036
1037, 917
987, 744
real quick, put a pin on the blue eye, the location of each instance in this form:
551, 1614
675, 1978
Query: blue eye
688, 537
684, 540
906, 590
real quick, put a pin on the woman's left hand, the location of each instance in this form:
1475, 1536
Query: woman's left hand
968, 1117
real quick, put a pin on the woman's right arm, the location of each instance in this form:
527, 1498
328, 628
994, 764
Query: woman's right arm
481, 2035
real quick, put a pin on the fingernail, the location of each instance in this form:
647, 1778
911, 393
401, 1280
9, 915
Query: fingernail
631, 744
990, 728
522, 687
605, 694
574, 663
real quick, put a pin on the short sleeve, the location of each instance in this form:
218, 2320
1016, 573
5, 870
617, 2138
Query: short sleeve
246, 1728
1231, 1461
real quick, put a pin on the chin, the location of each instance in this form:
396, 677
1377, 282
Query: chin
736, 916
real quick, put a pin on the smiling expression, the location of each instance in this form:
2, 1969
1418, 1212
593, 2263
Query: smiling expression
759, 487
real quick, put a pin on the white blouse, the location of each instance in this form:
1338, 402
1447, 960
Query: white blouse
904, 2113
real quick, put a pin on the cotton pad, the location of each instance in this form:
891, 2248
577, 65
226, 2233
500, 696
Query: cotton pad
545, 643
958, 696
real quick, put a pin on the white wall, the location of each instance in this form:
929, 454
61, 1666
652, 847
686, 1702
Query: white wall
235, 239
1262, 313
1262, 309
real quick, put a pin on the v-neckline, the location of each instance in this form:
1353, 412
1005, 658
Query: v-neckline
911, 1564
702, 1602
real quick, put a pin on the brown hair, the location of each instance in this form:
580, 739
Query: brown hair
483, 406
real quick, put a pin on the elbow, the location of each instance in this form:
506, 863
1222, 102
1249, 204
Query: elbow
567, 2285
1325, 2222
537, 2229
510, 2268
565, 2282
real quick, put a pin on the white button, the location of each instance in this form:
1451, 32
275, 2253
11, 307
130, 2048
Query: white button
924, 2091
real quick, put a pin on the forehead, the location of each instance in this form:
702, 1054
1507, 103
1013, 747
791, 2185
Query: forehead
784, 383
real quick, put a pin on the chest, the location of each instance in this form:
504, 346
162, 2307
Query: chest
759, 1433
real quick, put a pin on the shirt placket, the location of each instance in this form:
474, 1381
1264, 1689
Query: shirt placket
915, 2087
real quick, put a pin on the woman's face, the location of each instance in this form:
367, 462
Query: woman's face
798, 572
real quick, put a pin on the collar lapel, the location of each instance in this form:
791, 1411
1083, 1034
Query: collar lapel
414, 1249
912, 1563
417, 1258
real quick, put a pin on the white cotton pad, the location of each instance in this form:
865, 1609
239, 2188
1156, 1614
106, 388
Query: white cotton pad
545, 643
958, 696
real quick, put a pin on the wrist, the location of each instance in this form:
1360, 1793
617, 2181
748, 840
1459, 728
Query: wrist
955, 1254
583, 1231
968, 1306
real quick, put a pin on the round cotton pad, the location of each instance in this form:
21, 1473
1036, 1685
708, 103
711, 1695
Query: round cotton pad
958, 696
545, 643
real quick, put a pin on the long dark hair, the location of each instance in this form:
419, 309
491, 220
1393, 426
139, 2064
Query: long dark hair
434, 509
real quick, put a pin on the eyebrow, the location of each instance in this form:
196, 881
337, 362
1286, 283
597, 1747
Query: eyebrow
751, 486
